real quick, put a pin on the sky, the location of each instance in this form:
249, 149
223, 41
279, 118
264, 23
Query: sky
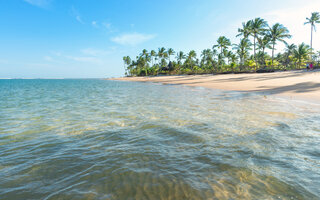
88, 38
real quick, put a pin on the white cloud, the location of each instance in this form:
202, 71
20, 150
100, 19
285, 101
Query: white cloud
75, 13
39, 3
94, 24
132, 38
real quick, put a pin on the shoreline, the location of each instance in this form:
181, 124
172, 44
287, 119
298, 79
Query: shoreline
296, 85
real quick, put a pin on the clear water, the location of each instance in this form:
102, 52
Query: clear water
99, 139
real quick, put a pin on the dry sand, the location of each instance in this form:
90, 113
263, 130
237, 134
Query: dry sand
300, 84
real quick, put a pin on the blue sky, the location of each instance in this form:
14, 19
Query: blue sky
87, 39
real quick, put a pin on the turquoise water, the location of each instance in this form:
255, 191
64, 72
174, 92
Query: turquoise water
99, 139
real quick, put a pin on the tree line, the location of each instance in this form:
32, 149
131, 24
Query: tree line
255, 36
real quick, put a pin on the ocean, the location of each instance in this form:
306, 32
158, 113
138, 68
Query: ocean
102, 139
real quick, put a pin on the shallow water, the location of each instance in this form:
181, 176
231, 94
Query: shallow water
99, 139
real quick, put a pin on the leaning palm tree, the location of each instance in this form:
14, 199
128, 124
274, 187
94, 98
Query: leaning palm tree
313, 20
277, 33
170, 52
257, 27
301, 53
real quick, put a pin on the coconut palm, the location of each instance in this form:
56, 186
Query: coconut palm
127, 61
223, 43
277, 33
190, 58
161, 52
289, 51
245, 30
243, 49
170, 52
301, 53
153, 54
313, 20
257, 27
263, 44
180, 56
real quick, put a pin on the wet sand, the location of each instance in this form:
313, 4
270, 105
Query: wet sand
300, 84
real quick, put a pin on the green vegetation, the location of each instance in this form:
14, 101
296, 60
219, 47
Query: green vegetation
225, 57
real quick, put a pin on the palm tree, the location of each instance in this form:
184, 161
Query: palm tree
161, 52
180, 56
223, 43
277, 33
127, 61
315, 18
243, 49
170, 53
263, 43
257, 27
245, 30
191, 55
301, 53
289, 51
153, 54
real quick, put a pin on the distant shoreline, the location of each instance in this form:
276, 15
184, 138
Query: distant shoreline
300, 84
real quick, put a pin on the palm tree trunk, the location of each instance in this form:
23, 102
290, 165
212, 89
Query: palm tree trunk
254, 48
311, 38
272, 53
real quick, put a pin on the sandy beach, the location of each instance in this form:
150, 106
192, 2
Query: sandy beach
299, 84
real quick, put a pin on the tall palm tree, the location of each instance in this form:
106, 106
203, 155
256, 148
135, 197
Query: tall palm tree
313, 20
263, 43
301, 53
170, 52
257, 27
277, 33
245, 30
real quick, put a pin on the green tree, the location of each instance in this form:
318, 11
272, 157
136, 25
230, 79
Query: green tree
277, 33
223, 43
289, 51
313, 20
180, 56
245, 30
170, 52
243, 49
153, 54
257, 27
301, 53
263, 44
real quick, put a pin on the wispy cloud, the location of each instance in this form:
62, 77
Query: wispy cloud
94, 52
132, 38
75, 13
104, 26
39, 3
